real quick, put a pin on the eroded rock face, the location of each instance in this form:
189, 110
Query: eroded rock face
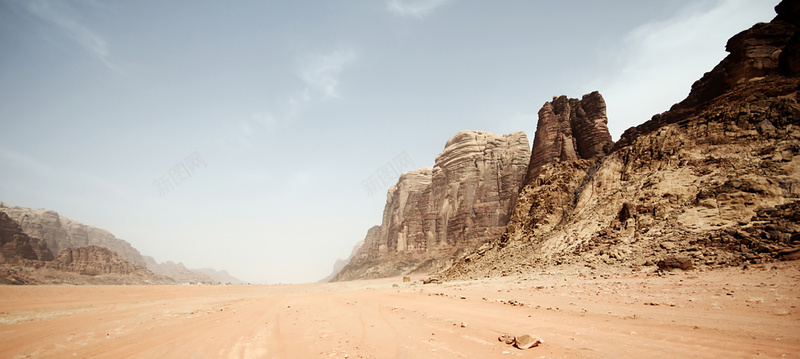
714, 180
570, 129
94, 260
15, 245
464, 199
767, 52
60, 232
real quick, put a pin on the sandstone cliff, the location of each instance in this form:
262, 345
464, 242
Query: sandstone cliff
570, 129
16, 246
93, 260
433, 212
60, 232
714, 181
50, 231
27, 260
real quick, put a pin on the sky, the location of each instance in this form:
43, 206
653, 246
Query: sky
260, 137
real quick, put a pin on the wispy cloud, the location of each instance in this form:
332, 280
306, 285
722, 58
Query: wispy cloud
657, 62
414, 8
321, 73
320, 76
63, 17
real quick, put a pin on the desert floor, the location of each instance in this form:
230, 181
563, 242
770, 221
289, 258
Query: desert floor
729, 313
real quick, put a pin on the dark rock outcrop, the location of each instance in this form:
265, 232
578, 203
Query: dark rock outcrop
15, 245
766, 53
714, 180
570, 129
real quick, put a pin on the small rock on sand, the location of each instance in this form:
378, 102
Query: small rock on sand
526, 341
508, 339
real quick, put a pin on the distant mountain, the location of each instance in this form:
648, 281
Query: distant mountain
27, 260
220, 276
47, 229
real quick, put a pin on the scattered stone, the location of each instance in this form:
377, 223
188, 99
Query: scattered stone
406, 279
526, 341
508, 339
431, 280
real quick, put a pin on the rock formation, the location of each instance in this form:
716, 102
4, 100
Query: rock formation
27, 260
432, 212
219, 276
92, 261
16, 246
570, 129
61, 232
715, 181
48, 230
765, 53
178, 272
339, 264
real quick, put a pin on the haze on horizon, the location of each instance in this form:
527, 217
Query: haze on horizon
240, 137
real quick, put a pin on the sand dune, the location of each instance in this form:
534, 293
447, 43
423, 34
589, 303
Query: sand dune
726, 313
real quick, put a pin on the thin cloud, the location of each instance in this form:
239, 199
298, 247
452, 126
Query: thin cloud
657, 62
414, 8
322, 73
61, 17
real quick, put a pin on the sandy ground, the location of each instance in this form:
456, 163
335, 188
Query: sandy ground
730, 313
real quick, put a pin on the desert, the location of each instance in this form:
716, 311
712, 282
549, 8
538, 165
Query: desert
725, 313
599, 234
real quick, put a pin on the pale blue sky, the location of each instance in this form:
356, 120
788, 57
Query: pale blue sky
287, 107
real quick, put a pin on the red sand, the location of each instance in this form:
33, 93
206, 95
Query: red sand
721, 314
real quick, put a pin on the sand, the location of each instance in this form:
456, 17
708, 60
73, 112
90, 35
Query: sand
730, 313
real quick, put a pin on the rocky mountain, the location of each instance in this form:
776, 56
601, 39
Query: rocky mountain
48, 231
433, 212
60, 232
219, 276
714, 181
178, 272
339, 264
16, 246
27, 260
94, 260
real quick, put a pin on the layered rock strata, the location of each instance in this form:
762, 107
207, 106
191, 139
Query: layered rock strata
432, 212
93, 261
766, 52
59, 232
48, 231
716, 179
27, 260
570, 129
16, 246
